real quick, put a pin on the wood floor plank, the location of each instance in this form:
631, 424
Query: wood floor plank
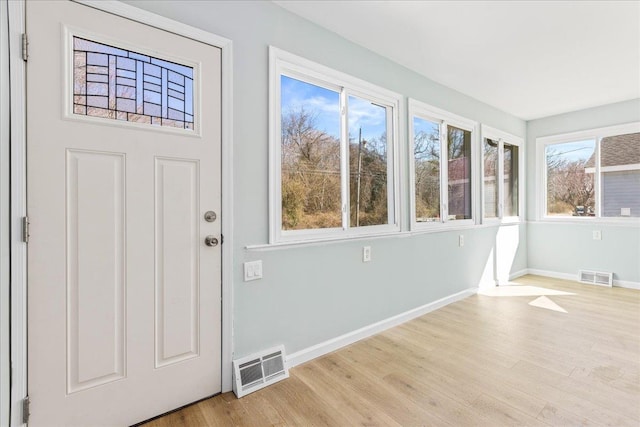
483, 361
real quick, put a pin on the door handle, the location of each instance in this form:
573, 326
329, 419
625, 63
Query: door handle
210, 241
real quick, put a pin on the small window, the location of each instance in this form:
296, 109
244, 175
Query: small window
426, 155
333, 147
570, 185
490, 179
591, 174
500, 174
310, 156
442, 183
120, 84
368, 162
620, 175
459, 173
511, 176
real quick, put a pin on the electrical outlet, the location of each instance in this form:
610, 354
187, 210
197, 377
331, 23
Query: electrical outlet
597, 235
461, 240
252, 270
366, 254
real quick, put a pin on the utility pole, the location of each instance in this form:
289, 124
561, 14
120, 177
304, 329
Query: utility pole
360, 145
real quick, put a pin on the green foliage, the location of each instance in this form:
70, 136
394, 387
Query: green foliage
568, 184
311, 181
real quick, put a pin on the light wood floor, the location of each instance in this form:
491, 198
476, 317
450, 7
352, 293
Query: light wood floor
483, 361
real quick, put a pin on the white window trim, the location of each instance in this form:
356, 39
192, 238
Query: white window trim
488, 132
541, 172
282, 62
428, 112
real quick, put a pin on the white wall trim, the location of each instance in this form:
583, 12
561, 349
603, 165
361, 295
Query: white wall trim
18, 210
336, 343
553, 274
285, 63
520, 273
574, 277
626, 284
5, 235
541, 165
488, 132
419, 109
226, 46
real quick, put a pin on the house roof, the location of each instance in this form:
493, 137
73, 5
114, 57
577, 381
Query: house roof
617, 151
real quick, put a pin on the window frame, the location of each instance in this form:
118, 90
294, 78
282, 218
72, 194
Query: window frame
419, 109
597, 135
296, 67
488, 132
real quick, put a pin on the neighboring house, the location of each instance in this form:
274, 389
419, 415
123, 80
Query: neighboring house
620, 171
460, 188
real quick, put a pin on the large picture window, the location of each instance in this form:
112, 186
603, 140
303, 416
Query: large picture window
501, 165
333, 145
441, 160
591, 174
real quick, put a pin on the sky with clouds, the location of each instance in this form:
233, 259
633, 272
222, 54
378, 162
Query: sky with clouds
324, 105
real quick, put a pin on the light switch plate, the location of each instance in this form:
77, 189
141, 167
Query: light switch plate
252, 270
366, 253
597, 235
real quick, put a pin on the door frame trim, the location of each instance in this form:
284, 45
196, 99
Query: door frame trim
17, 16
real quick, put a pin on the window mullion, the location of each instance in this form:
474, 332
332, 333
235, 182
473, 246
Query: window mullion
344, 158
444, 172
597, 182
500, 178
392, 212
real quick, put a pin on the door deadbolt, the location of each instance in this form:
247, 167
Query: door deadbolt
210, 241
210, 216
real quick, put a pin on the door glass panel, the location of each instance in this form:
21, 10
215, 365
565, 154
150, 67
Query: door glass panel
124, 85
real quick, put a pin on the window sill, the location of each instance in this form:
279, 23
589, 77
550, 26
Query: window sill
318, 241
626, 222
439, 228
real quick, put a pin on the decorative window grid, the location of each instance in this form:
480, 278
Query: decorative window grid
119, 84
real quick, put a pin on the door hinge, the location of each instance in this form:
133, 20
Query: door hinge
221, 238
25, 47
25, 229
25, 410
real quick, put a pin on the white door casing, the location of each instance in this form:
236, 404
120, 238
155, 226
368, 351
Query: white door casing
124, 298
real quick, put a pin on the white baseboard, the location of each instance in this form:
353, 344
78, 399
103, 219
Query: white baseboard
574, 277
626, 284
520, 273
333, 344
553, 274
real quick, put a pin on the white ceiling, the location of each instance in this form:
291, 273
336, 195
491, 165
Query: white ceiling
529, 58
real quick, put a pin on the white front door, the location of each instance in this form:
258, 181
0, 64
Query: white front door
123, 161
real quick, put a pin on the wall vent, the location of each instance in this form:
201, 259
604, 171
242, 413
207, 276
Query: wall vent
259, 370
596, 278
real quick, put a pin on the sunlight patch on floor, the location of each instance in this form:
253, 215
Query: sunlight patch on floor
544, 302
515, 290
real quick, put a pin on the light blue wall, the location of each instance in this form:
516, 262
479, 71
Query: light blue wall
568, 247
314, 293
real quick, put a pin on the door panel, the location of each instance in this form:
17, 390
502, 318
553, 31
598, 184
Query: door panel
177, 263
123, 159
95, 268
